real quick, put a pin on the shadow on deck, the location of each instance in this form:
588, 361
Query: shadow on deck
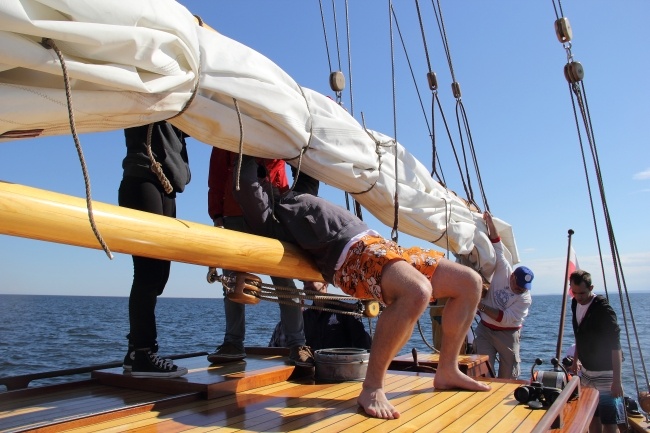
265, 393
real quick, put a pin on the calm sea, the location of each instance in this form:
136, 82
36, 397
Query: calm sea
44, 333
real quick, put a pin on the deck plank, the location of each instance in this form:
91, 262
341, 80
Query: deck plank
411, 406
519, 419
342, 410
638, 424
471, 365
211, 380
143, 421
24, 410
483, 414
270, 402
264, 417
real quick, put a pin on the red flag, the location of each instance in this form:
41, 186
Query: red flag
573, 266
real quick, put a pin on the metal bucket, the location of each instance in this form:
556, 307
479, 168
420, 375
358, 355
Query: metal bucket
341, 364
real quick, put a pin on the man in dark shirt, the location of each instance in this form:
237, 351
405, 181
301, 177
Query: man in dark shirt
598, 350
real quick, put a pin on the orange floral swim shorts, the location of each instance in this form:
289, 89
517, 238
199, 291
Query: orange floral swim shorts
360, 274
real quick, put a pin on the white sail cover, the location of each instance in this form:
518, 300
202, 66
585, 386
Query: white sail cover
136, 62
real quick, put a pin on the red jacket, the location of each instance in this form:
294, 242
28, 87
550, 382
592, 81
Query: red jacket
220, 182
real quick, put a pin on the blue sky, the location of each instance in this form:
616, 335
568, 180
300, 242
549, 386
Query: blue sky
509, 64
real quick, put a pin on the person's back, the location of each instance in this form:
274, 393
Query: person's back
168, 148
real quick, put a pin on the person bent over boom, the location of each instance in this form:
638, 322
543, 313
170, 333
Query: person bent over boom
363, 264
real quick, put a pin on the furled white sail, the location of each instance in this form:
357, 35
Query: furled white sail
135, 62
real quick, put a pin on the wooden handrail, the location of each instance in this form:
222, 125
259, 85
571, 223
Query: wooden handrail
553, 417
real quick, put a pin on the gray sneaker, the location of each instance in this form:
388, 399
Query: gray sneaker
301, 356
227, 352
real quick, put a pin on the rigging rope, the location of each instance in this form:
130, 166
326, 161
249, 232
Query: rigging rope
291, 296
461, 115
462, 120
395, 231
574, 73
349, 39
49, 43
337, 79
327, 46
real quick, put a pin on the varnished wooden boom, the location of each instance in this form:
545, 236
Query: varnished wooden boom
48, 216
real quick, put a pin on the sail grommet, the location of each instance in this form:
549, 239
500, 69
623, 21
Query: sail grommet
337, 81
563, 30
432, 80
574, 72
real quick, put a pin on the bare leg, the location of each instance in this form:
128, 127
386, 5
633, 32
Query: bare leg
463, 288
406, 293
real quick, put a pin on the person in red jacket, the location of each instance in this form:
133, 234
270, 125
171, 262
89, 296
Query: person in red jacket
225, 212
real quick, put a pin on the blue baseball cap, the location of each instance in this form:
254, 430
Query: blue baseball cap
524, 277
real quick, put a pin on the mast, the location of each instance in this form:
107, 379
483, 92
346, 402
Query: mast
560, 334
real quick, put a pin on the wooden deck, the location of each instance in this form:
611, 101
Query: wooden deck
639, 424
472, 365
265, 394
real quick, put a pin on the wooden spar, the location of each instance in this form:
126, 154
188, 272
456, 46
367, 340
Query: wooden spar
48, 216
558, 348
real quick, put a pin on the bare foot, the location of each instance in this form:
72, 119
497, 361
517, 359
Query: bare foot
375, 403
454, 379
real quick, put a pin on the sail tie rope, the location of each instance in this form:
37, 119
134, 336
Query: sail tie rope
155, 166
309, 140
50, 44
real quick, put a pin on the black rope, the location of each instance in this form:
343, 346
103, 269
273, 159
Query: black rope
336, 32
327, 47
395, 231
461, 119
578, 94
349, 40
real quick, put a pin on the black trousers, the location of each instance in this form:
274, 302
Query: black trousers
149, 275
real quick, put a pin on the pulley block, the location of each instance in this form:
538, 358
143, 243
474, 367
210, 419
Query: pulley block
337, 81
433, 81
247, 289
573, 72
563, 30
455, 89
213, 275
